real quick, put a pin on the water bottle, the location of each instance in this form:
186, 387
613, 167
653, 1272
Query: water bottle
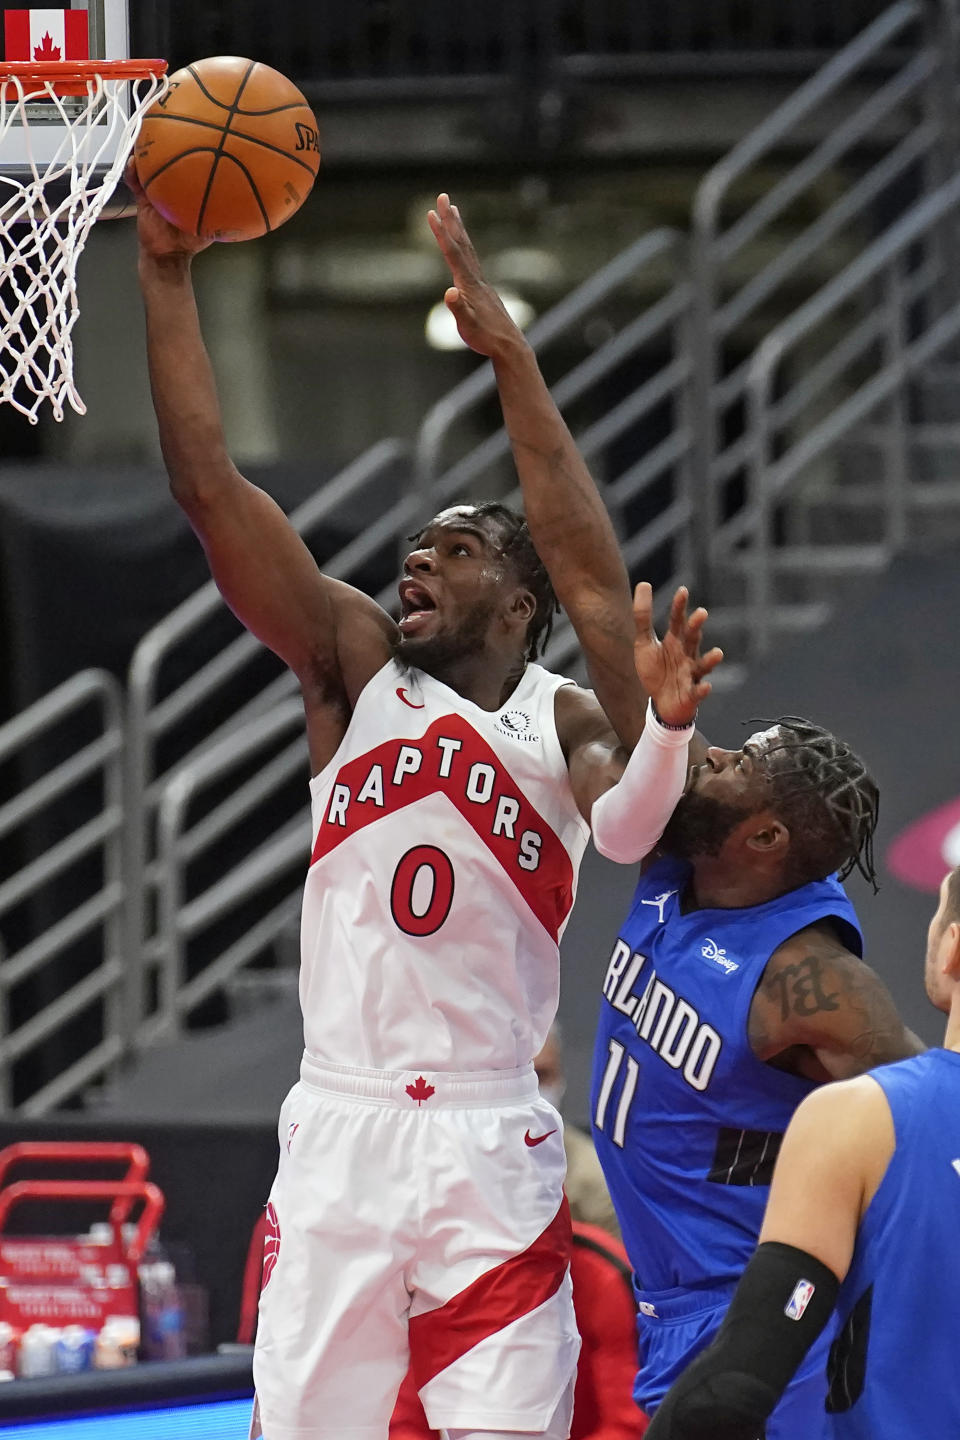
9, 1348
162, 1308
116, 1345
74, 1351
37, 1354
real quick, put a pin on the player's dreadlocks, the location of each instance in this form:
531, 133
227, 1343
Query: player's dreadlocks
518, 549
827, 797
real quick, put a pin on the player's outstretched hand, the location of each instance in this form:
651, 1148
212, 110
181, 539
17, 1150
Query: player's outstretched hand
157, 236
481, 317
672, 670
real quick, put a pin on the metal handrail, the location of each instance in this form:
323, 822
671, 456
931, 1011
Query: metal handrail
99, 835
178, 845
481, 383
915, 223
721, 309
798, 106
769, 476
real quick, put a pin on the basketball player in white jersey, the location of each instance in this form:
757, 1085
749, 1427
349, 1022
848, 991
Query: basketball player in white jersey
417, 1215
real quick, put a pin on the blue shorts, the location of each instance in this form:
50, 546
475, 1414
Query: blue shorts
675, 1325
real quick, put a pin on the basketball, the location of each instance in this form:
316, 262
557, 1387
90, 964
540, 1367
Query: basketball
229, 151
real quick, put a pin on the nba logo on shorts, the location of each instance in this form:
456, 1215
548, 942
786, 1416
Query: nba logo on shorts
799, 1300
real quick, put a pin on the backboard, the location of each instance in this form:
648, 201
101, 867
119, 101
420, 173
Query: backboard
94, 29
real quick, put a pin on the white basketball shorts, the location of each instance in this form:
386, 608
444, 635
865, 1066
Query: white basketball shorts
415, 1218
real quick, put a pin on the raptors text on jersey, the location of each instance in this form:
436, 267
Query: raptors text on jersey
446, 845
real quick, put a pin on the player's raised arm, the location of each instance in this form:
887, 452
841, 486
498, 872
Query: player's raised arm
568, 520
332, 636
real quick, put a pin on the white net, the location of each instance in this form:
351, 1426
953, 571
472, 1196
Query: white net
47, 207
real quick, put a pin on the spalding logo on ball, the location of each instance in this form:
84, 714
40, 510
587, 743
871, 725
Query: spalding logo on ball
229, 151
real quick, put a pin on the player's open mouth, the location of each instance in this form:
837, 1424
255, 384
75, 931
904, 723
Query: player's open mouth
416, 606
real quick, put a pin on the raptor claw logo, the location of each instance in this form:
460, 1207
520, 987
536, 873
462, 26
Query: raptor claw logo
292, 1129
406, 700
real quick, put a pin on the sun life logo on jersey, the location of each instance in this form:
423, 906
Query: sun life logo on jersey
710, 950
516, 724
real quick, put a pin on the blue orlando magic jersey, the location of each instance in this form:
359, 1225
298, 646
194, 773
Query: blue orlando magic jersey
687, 1121
892, 1367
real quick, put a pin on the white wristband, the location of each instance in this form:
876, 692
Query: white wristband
628, 820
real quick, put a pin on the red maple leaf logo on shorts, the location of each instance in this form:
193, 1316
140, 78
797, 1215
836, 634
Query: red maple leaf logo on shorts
271, 1245
421, 1091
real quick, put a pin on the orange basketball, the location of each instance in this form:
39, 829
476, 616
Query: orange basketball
230, 151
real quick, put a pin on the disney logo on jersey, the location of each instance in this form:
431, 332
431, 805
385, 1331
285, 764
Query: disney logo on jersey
710, 950
664, 1020
516, 724
659, 901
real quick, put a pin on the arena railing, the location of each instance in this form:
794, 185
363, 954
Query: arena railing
416, 49
610, 40
66, 1010
275, 745
893, 137
906, 328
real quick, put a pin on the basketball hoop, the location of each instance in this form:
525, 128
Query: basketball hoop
78, 121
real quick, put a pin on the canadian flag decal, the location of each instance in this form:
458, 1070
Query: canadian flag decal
45, 35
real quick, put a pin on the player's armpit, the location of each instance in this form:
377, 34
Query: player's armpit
595, 758
816, 994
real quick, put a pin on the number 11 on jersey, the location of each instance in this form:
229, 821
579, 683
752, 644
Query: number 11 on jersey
615, 1059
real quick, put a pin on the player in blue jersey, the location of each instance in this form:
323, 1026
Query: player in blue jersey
861, 1219
734, 988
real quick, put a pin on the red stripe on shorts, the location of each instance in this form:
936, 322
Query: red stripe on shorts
497, 1297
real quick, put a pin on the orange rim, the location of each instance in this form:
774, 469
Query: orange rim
65, 71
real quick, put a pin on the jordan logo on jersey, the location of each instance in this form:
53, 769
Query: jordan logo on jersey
659, 901
663, 1019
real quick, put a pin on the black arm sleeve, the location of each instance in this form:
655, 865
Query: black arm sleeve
781, 1305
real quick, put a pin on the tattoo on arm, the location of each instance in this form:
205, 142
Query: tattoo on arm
800, 988
821, 996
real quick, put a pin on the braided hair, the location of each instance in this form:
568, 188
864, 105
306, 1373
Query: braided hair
530, 570
828, 799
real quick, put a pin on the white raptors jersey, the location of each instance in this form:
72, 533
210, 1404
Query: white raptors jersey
446, 846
